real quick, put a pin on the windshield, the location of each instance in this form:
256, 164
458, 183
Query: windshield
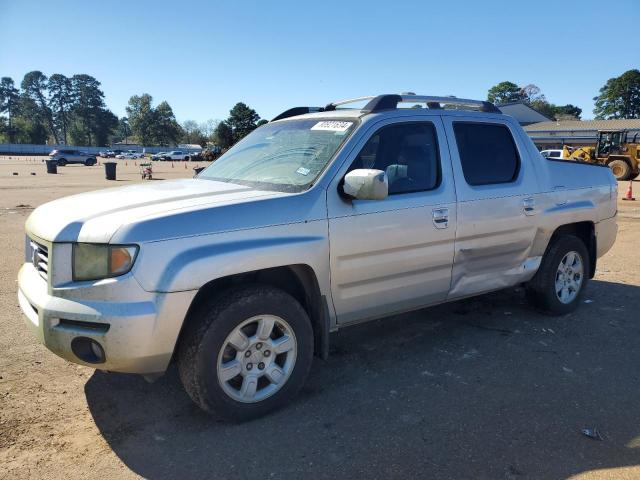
284, 156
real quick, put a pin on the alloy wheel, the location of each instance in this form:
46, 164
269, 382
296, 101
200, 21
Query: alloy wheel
569, 277
257, 358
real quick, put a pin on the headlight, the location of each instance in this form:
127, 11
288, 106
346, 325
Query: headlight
93, 262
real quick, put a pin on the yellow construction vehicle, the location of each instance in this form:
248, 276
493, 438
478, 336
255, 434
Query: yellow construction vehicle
613, 148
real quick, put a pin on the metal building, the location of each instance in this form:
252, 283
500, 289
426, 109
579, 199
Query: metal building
576, 132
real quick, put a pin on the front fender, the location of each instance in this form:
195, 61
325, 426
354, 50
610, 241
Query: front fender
189, 263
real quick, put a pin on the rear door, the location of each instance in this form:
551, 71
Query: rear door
497, 189
394, 254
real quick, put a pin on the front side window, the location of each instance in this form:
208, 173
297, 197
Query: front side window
407, 152
488, 153
284, 156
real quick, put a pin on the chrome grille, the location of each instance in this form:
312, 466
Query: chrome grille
40, 259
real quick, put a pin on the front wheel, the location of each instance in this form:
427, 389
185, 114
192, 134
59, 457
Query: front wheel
246, 352
563, 274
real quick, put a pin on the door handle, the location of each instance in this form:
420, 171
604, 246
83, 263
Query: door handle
440, 217
529, 206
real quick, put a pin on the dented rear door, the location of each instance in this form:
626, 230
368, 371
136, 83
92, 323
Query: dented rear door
497, 217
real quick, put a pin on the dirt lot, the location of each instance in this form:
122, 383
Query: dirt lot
483, 388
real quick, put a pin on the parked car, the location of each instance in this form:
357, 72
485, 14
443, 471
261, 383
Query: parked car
195, 156
66, 156
552, 154
176, 155
106, 154
135, 154
158, 156
130, 155
312, 223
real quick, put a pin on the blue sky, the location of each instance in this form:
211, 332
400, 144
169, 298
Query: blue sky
204, 56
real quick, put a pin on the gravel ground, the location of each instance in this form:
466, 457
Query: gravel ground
481, 388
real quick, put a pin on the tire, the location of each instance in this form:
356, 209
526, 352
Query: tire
634, 175
186, 159
62, 162
543, 289
621, 169
205, 347
89, 162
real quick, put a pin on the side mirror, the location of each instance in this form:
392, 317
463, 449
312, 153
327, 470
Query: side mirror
366, 184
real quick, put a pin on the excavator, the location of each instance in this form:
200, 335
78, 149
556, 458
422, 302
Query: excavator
613, 148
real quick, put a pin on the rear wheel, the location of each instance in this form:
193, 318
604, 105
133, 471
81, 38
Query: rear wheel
563, 274
246, 352
621, 169
62, 162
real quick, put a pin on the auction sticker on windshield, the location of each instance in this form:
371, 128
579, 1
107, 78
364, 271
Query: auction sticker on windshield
332, 126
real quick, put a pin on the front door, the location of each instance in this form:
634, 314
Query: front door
395, 254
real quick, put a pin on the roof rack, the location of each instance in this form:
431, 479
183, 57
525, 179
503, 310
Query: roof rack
389, 102
386, 102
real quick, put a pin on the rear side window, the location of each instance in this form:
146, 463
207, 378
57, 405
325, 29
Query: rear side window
487, 152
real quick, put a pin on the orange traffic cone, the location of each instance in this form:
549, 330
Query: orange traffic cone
172, 166
629, 194
126, 164
185, 165
135, 164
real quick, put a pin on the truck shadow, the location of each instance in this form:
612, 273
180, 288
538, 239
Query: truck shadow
480, 388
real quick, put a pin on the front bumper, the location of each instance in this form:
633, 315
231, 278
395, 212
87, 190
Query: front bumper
136, 329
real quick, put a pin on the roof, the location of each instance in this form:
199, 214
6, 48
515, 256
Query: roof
584, 125
523, 112
346, 113
355, 114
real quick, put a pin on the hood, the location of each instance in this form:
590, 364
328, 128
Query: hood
97, 216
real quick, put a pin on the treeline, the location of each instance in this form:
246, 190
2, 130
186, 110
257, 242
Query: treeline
55, 109
72, 111
618, 98
509, 92
157, 125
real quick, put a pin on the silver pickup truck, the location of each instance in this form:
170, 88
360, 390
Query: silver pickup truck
320, 219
